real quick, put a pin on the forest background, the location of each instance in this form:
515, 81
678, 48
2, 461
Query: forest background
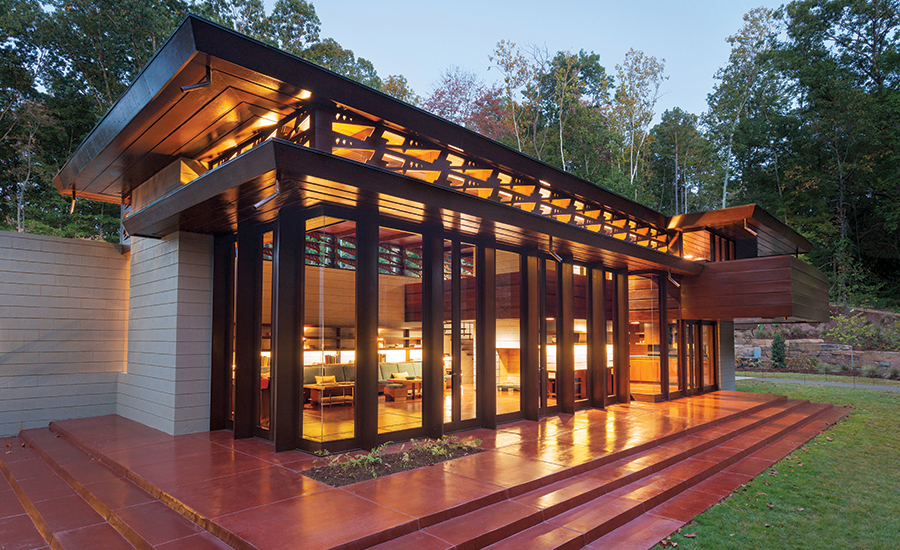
802, 119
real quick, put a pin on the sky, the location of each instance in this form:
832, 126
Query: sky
420, 39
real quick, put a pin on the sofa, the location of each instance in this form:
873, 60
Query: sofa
347, 373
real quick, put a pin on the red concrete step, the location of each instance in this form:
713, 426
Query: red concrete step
494, 523
61, 517
664, 518
138, 516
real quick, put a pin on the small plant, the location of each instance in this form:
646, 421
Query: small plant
893, 373
870, 371
779, 351
762, 333
802, 363
827, 368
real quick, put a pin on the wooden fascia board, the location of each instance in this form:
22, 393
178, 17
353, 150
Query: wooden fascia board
294, 161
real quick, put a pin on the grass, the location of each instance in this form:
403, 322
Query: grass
837, 493
858, 380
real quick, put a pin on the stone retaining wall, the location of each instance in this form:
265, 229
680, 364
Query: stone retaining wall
746, 349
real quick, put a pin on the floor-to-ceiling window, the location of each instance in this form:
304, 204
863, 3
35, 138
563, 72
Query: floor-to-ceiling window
549, 335
399, 330
508, 365
329, 329
644, 335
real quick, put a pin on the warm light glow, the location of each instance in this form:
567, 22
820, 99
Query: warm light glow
688, 257
305, 94
266, 354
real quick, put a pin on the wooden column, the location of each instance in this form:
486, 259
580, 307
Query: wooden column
247, 328
222, 333
597, 336
287, 347
529, 336
366, 391
456, 333
663, 335
622, 347
433, 332
486, 335
565, 337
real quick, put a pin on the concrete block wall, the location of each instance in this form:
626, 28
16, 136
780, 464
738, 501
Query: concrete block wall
166, 383
726, 355
63, 328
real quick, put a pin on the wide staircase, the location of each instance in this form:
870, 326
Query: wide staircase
57, 491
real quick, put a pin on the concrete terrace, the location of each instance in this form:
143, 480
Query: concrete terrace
623, 477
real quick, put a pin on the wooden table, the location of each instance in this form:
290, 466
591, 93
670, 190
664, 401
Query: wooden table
330, 394
412, 386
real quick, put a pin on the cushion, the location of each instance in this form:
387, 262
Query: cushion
399, 375
326, 380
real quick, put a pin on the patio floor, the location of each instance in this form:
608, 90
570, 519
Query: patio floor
623, 477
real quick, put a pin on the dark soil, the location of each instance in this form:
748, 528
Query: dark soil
346, 469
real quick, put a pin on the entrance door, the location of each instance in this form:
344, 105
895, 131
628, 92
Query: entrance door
460, 360
692, 357
548, 334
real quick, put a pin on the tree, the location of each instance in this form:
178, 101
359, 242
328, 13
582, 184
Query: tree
294, 25
329, 54
398, 87
682, 162
638, 80
737, 81
516, 72
454, 96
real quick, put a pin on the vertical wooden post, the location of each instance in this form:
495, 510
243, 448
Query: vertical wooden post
663, 288
565, 337
529, 336
433, 332
366, 392
288, 271
623, 346
597, 336
456, 333
247, 329
486, 335
222, 332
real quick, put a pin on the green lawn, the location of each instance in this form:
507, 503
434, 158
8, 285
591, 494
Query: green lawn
858, 380
843, 493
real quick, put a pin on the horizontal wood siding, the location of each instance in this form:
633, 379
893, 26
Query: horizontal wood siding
772, 287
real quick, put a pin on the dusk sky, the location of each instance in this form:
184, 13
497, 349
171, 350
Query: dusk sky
420, 39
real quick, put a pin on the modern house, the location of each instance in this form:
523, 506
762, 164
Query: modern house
316, 263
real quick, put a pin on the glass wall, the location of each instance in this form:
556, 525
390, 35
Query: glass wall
263, 381
329, 331
672, 336
610, 337
708, 350
581, 337
399, 330
643, 335
508, 362
468, 306
548, 334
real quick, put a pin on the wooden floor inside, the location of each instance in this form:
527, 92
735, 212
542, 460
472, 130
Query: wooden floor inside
624, 477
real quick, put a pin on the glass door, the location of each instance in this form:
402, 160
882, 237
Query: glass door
460, 368
549, 314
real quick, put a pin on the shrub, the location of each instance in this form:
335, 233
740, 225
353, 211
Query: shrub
870, 371
802, 363
762, 333
893, 373
827, 368
779, 351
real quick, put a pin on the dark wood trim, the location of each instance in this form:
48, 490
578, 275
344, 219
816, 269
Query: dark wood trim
456, 334
565, 337
433, 331
366, 401
663, 301
682, 358
287, 357
222, 333
623, 357
529, 336
247, 329
486, 336
597, 336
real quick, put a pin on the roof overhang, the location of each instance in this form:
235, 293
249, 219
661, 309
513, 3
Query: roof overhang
220, 199
743, 223
155, 121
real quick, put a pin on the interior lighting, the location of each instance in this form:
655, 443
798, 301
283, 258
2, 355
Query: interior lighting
305, 94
